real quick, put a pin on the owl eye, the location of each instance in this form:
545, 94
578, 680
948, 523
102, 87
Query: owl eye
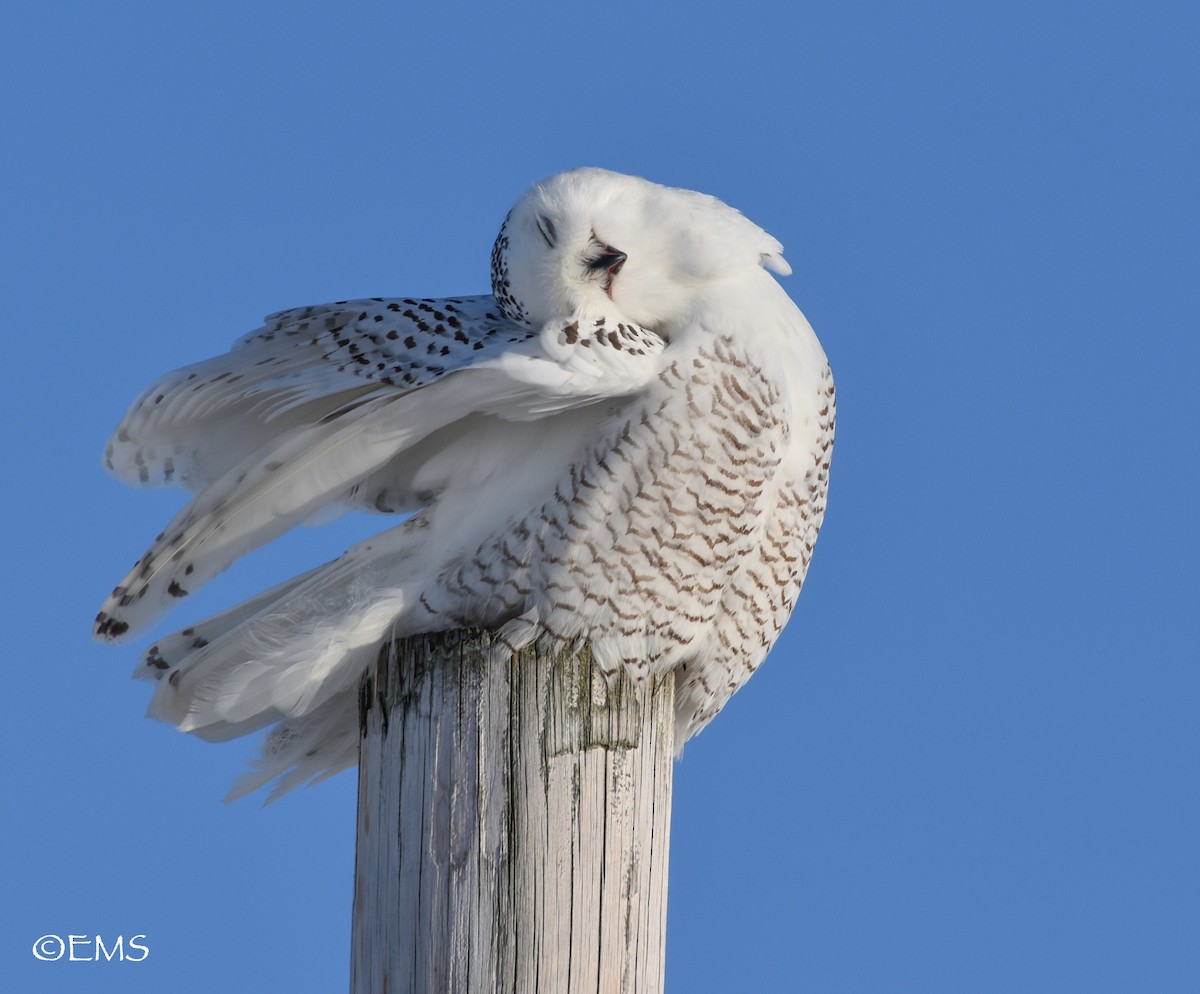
546, 229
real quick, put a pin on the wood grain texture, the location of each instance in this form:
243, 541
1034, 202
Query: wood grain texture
513, 830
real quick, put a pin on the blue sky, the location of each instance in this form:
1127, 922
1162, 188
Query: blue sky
970, 764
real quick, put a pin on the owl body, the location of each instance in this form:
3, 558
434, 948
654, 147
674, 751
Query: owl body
662, 546
626, 445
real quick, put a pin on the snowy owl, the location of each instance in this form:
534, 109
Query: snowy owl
626, 444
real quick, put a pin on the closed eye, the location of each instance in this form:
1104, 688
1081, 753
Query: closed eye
546, 229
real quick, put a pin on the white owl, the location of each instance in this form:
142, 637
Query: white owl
626, 444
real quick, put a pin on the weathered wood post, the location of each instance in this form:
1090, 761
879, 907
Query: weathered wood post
513, 824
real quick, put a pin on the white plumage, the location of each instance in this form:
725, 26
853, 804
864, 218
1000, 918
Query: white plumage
627, 443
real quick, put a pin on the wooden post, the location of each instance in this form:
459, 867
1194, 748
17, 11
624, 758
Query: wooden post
513, 824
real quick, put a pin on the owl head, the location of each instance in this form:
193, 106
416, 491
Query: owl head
590, 241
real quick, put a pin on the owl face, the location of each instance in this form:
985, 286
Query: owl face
594, 242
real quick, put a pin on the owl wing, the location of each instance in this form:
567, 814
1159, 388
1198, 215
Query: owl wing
337, 403
192, 425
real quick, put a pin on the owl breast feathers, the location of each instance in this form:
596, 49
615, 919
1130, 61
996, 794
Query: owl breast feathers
626, 444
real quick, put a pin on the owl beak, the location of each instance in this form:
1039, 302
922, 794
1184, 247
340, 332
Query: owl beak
609, 261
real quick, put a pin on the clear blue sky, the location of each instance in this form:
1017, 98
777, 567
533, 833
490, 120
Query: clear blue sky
971, 763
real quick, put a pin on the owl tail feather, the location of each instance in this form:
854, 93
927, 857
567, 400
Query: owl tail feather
292, 657
305, 750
